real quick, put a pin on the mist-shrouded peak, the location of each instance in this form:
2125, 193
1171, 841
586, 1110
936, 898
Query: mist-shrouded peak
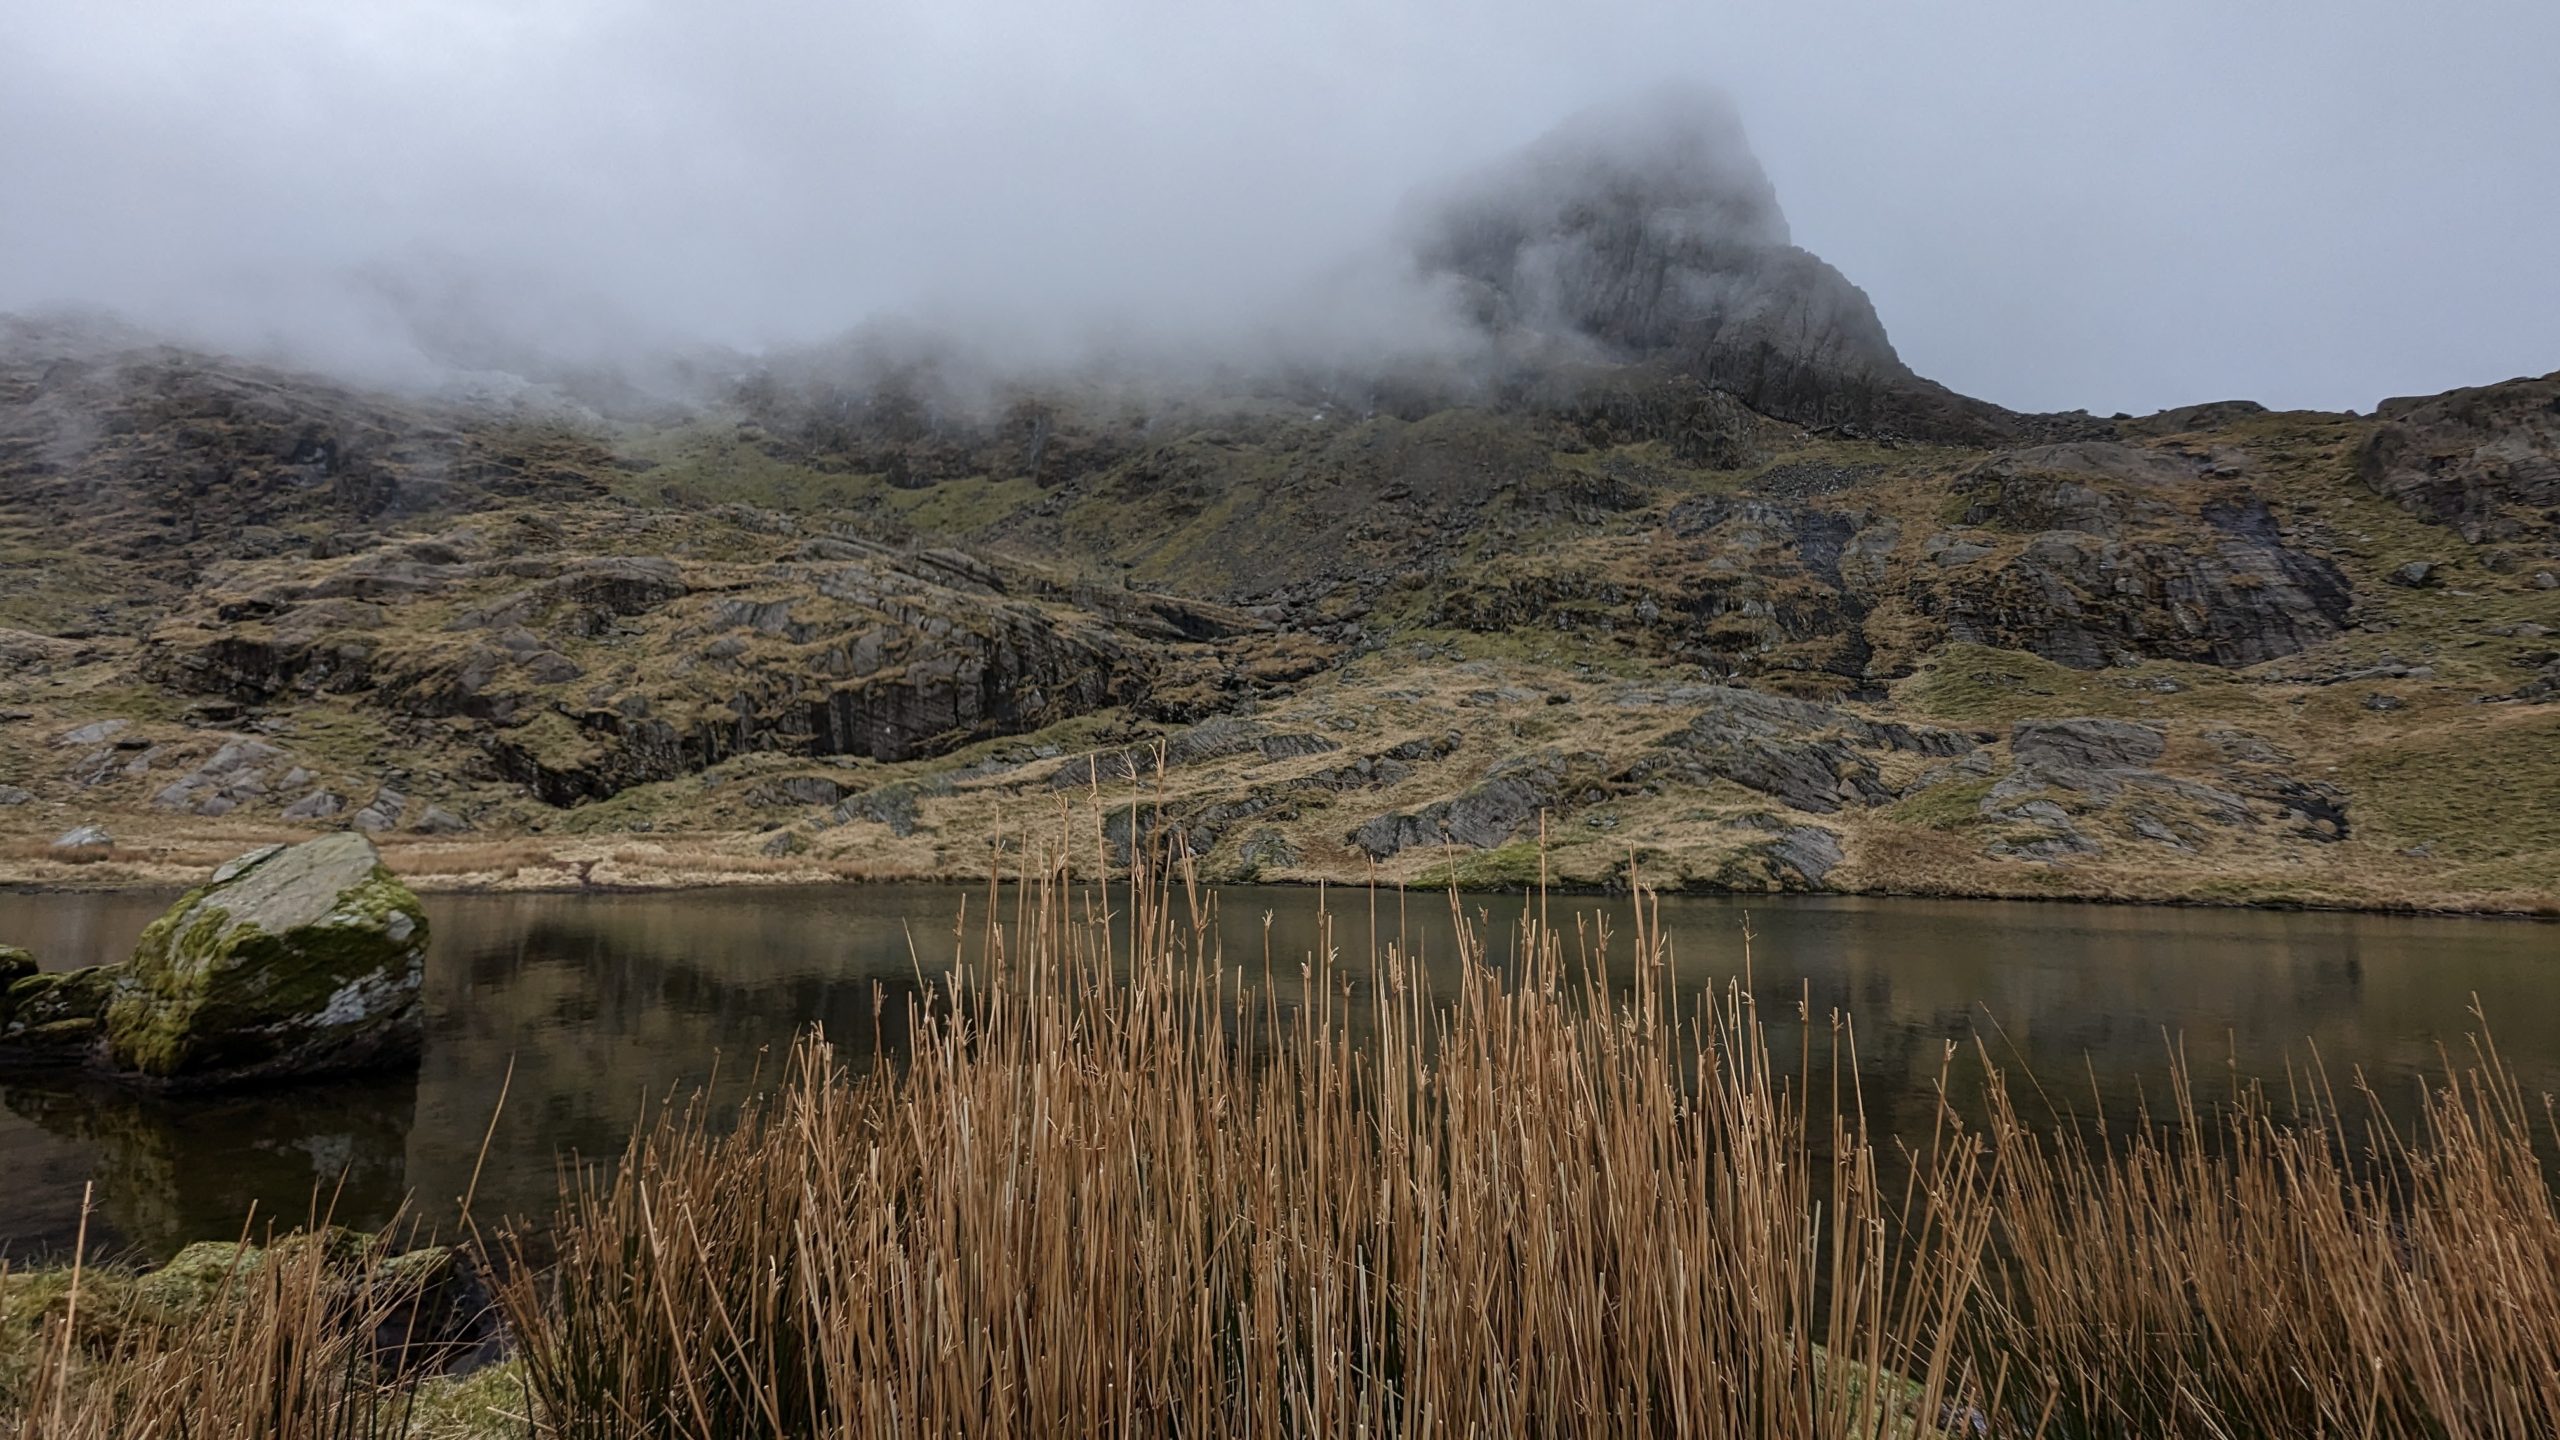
1647, 231
1672, 162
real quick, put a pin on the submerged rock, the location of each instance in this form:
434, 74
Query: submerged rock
290, 961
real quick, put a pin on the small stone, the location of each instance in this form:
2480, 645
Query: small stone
780, 843
12, 795
2545, 580
552, 668
2381, 702
97, 732
86, 837
436, 820
810, 790
318, 805
2155, 830
384, 813
2417, 574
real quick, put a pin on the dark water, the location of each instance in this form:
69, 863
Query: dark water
607, 1003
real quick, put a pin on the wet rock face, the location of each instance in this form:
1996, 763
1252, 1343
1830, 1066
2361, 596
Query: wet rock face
2485, 461
290, 961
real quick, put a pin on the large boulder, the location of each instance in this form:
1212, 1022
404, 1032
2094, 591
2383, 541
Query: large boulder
290, 961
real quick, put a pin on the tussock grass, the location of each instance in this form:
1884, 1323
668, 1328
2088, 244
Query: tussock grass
301, 1340
1118, 1182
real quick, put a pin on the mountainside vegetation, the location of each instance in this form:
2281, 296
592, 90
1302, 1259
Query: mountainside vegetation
1678, 572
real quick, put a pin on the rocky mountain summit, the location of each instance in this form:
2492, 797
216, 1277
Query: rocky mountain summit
1646, 231
1690, 577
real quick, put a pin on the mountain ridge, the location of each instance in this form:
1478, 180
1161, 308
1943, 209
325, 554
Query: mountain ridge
1731, 605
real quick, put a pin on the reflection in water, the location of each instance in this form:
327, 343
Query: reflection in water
607, 1004
166, 1167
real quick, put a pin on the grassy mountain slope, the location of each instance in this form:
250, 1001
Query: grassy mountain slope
2219, 655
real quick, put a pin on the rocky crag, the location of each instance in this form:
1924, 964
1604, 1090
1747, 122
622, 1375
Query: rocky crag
1683, 573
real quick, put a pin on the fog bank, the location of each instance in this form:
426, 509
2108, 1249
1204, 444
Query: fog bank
2116, 207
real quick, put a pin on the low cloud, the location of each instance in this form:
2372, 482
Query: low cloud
2117, 209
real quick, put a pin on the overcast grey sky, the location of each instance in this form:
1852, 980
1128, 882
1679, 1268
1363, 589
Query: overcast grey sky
2053, 204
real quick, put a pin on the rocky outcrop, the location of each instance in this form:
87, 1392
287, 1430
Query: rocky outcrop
2130, 551
236, 774
860, 651
2065, 750
2485, 461
1502, 807
289, 961
2068, 777
1646, 230
1793, 857
1815, 758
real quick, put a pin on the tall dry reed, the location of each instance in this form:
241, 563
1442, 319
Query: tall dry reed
1121, 1183
1130, 1187
1126, 1185
296, 1341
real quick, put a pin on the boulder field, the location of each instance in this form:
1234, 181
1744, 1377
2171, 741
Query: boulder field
289, 961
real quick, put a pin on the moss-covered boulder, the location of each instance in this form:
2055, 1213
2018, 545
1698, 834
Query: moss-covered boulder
50, 1017
291, 961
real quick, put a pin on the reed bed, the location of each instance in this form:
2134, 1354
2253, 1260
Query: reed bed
303, 1340
1121, 1183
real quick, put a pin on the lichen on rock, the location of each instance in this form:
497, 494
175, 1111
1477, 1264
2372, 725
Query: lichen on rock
289, 961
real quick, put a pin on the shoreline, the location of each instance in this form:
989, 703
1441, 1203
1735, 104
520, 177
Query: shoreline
647, 865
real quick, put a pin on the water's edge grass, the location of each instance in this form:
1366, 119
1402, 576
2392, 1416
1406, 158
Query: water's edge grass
1121, 1183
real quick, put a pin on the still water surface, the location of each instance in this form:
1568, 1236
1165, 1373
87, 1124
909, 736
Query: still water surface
608, 1003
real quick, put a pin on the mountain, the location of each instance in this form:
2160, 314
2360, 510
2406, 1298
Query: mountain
1674, 563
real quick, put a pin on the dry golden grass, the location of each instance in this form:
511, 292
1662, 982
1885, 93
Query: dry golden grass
1119, 1183
1130, 1187
301, 1341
